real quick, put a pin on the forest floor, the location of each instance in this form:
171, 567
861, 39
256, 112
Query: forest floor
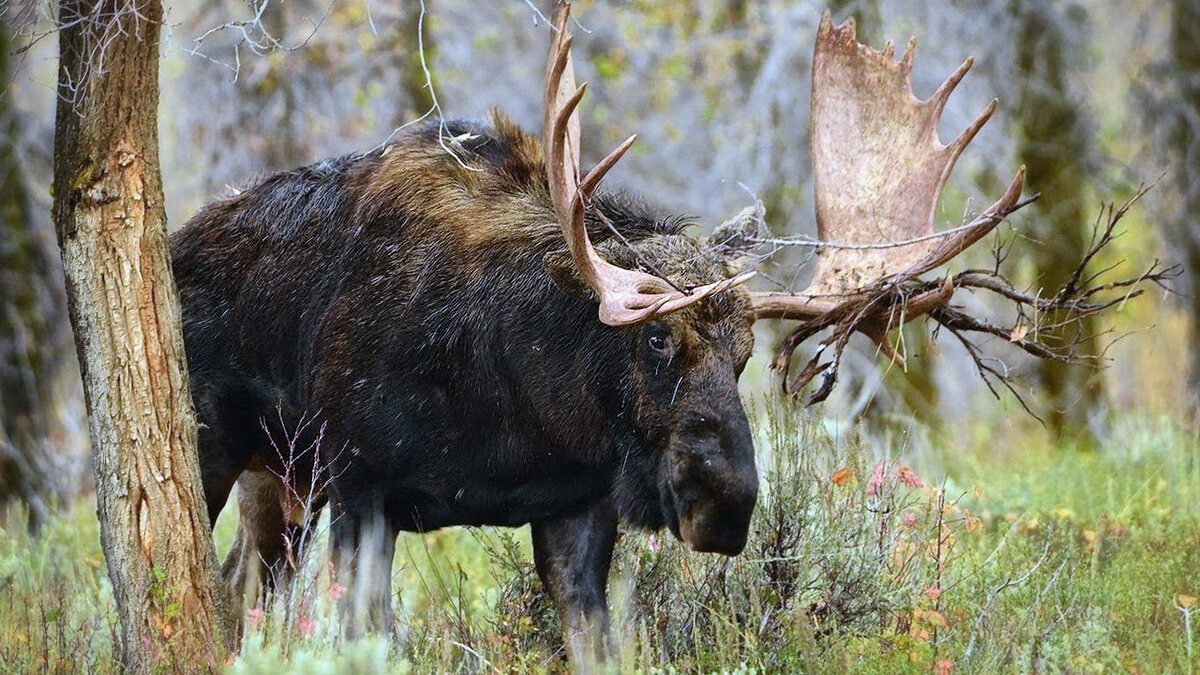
908, 555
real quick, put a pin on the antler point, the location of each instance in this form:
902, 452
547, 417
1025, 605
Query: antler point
906, 61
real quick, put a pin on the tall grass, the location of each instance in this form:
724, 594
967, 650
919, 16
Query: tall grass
1039, 558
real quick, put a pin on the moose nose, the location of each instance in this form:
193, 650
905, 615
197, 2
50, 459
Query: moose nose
717, 484
719, 525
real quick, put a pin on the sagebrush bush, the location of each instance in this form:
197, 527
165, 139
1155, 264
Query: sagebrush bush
842, 543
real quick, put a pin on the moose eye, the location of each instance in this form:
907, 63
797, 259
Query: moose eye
660, 343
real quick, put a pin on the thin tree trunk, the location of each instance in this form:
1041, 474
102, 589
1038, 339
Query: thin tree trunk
1183, 136
34, 341
412, 80
1053, 146
282, 149
108, 211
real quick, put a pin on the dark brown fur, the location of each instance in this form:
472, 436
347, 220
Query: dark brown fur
424, 310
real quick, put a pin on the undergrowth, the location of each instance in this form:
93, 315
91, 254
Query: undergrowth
1052, 559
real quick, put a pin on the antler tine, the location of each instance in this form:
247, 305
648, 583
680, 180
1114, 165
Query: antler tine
593, 178
906, 62
960, 143
939, 98
626, 296
560, 137
987, 221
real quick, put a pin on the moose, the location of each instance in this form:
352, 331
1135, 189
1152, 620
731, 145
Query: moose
489, 337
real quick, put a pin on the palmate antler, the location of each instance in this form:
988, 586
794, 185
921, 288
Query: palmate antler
626, 296
879, 169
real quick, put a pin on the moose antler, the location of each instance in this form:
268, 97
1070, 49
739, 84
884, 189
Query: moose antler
626, 296
879, 169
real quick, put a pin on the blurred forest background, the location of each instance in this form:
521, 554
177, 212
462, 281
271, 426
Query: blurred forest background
1096, 99
1066, 543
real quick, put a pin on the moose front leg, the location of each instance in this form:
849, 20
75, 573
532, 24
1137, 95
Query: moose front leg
573, 556
364, 544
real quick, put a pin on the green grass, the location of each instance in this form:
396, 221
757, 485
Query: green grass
1013, 556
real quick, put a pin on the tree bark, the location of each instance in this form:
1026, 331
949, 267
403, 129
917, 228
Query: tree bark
34, 340
124, 308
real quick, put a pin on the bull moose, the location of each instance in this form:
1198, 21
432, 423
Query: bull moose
433, 303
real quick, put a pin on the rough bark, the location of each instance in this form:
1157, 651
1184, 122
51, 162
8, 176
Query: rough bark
34, 341
124, 309
1053, 147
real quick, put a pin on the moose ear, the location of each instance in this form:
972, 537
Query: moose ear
735, 238
565, 275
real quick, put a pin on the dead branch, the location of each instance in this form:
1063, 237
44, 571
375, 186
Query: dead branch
1046, 326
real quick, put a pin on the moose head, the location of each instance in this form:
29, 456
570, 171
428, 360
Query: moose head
879, 168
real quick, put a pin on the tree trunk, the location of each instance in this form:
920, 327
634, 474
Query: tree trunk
1183, 139
111, 224
1053, 145
282, 150
413, 82
34, 342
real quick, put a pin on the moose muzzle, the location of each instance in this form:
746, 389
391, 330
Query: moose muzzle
714, 483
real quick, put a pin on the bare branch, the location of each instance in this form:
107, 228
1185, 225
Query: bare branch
817, 244
1043, 326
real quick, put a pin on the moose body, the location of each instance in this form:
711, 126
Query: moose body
428, 313
422, 309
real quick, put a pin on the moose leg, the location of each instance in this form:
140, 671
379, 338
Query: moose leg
363, 547
219, 467
272, 536
573, 556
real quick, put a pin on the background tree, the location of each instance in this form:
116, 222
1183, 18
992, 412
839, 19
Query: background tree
1054, 146
1179, 110
34, 339
110, 219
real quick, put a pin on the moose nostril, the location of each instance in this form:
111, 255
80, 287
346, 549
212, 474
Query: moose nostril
707, 424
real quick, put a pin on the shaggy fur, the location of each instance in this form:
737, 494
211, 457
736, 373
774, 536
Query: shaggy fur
424, 310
